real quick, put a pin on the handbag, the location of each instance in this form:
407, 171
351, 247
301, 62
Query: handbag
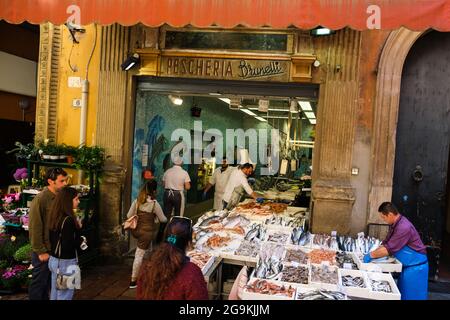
64, 282
131, 222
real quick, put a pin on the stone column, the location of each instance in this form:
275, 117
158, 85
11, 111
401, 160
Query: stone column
48, 79
332, 193
111, 123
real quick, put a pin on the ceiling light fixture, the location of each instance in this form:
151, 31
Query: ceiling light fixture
312, 121
248, 112
261, 119
226, 100
310, 115
305, 105
176, 100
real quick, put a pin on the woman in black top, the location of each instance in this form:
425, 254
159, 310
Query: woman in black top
65, 239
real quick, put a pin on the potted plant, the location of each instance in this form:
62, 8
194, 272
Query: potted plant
24, 151
23, 254
90, 158
71, 152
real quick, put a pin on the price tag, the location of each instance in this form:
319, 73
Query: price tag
348, 266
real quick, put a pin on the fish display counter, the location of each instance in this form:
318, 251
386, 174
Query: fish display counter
289, 261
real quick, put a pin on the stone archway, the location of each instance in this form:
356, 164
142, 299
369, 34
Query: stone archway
386, 108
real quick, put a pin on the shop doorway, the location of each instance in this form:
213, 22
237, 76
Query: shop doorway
219, 105
19, 53
422, 147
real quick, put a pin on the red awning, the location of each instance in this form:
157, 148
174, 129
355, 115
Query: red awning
304, 14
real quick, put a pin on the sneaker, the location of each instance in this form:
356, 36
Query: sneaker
133, 285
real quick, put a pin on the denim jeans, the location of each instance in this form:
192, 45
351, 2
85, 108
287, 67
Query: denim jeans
40, 283
64, 264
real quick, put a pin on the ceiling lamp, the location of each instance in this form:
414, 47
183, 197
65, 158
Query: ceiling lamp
310, 115
261, 119
312, 121
263, 105
176, 100
305, 105
248, 112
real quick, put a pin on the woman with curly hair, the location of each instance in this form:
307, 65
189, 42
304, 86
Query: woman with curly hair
168, 274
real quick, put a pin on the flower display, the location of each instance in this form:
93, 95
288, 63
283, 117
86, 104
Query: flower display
20, 174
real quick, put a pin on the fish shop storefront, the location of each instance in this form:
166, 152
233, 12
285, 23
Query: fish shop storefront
208, 81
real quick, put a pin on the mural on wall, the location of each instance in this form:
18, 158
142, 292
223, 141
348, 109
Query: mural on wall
155, 140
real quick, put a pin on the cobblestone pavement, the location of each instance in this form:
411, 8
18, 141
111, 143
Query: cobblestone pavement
111, 281
104, 282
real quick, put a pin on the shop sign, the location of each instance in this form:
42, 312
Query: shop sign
225, 69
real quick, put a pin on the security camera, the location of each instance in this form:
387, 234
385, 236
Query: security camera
75, 27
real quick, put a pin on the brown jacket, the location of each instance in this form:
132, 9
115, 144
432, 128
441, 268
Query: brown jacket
38, 229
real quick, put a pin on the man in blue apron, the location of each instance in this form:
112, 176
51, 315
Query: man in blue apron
403, 242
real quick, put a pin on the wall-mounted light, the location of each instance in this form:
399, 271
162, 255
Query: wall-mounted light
176, 100
130, 62
320, 31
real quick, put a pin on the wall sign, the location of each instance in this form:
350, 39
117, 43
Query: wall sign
225, 69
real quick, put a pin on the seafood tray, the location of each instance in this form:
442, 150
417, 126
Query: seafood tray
217, 242
380, 295
317, 256
202, 259
296, 254
295, 273
269, 264
309, 293
324, 277
394, 266
354, 290
259, 289
346, 260
278, 236
247, 252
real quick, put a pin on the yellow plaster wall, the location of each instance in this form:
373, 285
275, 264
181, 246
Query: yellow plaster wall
68, 116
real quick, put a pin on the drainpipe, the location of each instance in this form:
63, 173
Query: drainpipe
83, 119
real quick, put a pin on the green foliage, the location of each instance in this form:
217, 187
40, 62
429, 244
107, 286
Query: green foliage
23, 253
25, 151
90, 158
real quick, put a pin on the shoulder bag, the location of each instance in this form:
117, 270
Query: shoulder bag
64, 282
131, 222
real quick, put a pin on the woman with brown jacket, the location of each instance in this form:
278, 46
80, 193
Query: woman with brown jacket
149, 214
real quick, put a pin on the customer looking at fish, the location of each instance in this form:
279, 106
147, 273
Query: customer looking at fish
169, 274
149, 214
237, 185
219, 180
403, 241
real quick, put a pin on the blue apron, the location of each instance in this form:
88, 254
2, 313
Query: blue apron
413, 281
